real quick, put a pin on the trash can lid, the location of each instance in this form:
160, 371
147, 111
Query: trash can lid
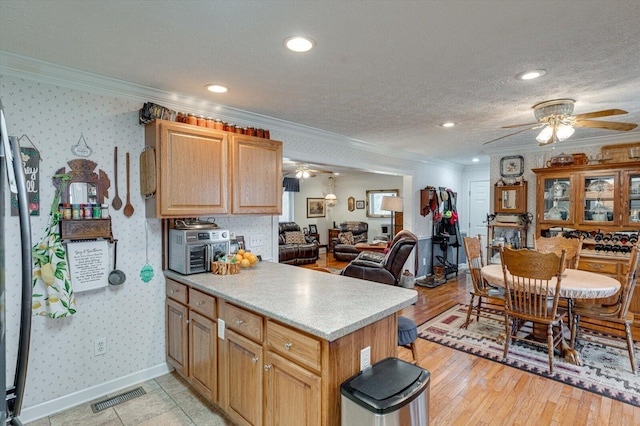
386, 386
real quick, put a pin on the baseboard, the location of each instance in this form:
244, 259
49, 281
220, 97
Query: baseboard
65, 402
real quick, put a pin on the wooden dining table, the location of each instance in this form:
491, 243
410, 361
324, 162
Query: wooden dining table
575, 284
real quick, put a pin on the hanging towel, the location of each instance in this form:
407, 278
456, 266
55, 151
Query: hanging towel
52, 292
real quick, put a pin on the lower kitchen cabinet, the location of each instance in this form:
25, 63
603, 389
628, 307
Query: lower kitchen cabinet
177, 336
192, 342
203, 363
260, 371
243, 389
292, 393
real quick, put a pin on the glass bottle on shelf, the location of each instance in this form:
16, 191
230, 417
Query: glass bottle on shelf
557, 198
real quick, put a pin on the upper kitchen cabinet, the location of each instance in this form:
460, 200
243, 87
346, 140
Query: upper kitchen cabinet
256, 175
199, 171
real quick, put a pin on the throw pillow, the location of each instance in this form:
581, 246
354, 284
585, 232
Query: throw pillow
294, 237
346, 238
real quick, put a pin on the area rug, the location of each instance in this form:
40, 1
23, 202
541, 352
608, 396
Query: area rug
605, 371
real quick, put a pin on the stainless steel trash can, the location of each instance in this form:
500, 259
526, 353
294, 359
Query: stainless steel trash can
390, 393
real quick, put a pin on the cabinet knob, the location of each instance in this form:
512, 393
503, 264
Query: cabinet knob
172, 291
239, 322
267, 367
287, 346
254, 359
198, 303
180, 316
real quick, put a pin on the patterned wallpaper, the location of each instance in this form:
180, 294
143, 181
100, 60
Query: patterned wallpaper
62, 353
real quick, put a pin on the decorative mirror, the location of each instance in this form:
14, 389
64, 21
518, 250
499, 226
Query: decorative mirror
351, 204
84, 186
374, 201
511, 198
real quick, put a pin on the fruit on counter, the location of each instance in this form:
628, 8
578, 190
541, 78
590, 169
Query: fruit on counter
246, 258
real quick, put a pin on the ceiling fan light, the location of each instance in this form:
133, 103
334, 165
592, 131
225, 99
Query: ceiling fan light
545, 135
564, 131
305, 174
299, 174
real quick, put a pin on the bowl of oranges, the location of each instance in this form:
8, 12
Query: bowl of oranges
246, 259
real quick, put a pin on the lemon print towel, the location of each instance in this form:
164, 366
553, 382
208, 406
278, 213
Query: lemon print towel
52, 292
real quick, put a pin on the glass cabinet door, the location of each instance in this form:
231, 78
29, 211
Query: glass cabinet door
557, 199
632, 188
599, 199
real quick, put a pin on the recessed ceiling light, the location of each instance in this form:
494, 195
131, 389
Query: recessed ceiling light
475, 160
216, 88
299, 44
448, 124
530, 75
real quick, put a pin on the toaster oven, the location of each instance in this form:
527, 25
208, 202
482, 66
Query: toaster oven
191, 251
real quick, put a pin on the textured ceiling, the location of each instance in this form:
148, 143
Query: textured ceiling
383, 72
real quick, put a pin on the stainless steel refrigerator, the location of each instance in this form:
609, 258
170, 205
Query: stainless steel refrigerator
11, 167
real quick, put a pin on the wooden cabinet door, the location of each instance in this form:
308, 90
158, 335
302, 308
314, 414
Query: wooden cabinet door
292, 394
244, 379
203, 362
177, 336
192, 171
256, 175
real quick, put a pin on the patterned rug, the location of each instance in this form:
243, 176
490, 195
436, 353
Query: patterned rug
605, 371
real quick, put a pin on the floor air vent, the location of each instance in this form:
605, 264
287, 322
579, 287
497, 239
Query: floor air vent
119, 399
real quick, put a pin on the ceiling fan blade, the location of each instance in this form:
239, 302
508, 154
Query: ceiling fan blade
519, 125
603, 113
510, 134
609, 125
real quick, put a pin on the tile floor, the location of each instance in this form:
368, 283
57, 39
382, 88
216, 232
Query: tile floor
168, 401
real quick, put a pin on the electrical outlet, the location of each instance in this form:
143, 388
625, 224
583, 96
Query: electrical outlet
365, 358
256, 242
220, 328
100, 346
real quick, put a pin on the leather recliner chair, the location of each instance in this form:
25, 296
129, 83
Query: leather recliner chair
348, 252
295, 254
383, 268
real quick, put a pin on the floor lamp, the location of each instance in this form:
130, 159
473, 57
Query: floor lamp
393, 205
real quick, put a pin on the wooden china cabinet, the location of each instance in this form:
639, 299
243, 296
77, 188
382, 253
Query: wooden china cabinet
602, 203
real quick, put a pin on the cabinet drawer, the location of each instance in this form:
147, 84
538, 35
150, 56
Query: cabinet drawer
244, 322
203, 303
176, 291
294, 345
599, 267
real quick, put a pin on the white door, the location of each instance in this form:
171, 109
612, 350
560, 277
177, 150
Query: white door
479, 197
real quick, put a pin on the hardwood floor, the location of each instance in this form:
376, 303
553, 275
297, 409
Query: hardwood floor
469, 390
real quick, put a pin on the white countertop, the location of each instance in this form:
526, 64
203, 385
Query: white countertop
325, 305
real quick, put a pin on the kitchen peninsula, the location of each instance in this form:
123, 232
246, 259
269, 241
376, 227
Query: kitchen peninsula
272, 344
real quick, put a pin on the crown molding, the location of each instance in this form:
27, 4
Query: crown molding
45, 72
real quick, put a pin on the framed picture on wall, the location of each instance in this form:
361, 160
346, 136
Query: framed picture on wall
315, 207
360, 204
512, 166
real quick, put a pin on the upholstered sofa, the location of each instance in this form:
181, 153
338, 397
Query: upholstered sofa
294, 247
383, 268
351, 233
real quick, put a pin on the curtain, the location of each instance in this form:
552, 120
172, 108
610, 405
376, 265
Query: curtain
291, 184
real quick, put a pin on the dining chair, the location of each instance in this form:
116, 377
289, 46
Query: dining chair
613, 316
573, 247
481, 289
532, 295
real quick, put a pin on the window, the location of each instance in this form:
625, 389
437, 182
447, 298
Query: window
374, 201
287, 207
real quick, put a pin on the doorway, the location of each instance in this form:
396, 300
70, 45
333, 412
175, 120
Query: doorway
479, 196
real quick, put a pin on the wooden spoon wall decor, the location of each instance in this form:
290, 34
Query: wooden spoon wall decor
128, 208
117, 202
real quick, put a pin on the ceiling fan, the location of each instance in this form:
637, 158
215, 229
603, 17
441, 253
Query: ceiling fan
557, 124
305, 172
